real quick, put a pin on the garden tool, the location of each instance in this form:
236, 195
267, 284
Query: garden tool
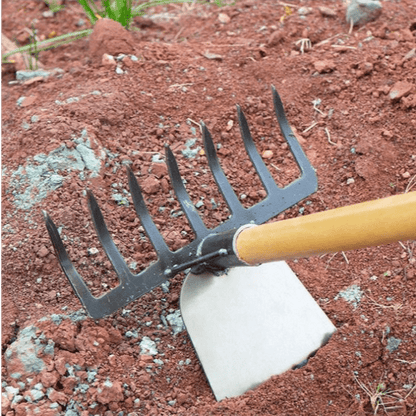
246, 323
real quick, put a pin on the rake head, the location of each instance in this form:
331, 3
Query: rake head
132, 286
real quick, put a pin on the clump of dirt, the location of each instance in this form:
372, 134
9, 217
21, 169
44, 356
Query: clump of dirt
350, 96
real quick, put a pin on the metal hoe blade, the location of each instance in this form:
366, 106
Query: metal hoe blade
132, 286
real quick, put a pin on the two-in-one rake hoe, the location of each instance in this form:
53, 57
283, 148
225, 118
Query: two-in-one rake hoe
246, 323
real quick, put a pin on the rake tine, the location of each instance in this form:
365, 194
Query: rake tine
107, 242
299, 155
76, 281
226, 189
264, 174
143, 213
188, 207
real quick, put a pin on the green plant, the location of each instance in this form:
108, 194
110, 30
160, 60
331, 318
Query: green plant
53, 5
121, 11
32, 56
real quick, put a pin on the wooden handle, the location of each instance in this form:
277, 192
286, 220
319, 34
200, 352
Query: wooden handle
362, 225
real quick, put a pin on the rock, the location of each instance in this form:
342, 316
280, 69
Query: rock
108, 60
324, 66
159, 169
148, 347
304, 11
400, 89
213, 56
365, 68
276, 37
363, 11
150, 185
224, 18
26, 74
176, 322
28, 101
411, 54
327, 12
49, 379
43, 252
267, 154
110, 392
109, 37
23, 355
57, 396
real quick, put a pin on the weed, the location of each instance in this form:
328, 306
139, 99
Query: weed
53, 5
380, 397
31, 59
121, 11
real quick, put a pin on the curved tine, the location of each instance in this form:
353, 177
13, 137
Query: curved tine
264, 174
79, 286
296, 149
226, 189
188, 207
142, 212
109, 247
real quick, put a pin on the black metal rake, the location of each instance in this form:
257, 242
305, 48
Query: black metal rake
211, 248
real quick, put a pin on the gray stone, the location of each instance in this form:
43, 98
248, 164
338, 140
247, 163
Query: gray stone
363, 11
352, 295
148, 347
26, 74
26, 349
393, 344
176, 322
37, 395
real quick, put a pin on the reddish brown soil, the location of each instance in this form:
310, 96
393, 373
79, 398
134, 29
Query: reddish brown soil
362, 145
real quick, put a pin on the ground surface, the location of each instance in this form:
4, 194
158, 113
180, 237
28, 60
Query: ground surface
360, 135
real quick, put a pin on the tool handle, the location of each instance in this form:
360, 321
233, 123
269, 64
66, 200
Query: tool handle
352, 227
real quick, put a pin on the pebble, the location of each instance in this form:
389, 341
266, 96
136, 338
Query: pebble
224, 18
176, 322
324, 66
304, 11
148, 347
400, 89
267, 154
326, 11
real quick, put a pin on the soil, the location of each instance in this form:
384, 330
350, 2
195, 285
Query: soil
350, 96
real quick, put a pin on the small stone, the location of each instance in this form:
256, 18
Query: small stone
324, 66
108, 60
400, 89
213, 56
92, 251
159, 169
150, 185
28, 101
224, 18
176, 322
267, 154
326, 11
406, 175
350, 181
148, 347
393, 344
110, 392
276, 37
43, 252
304, 11
411, 54
37, 395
